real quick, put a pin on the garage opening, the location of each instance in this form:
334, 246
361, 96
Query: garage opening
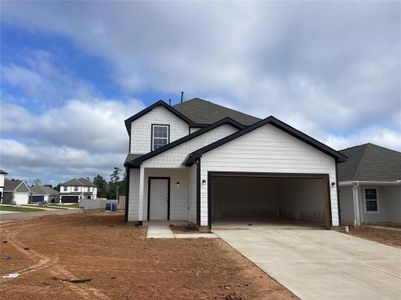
270, 197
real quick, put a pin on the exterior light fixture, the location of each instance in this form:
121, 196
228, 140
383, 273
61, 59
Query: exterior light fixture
178, 183
203, 182
333, 184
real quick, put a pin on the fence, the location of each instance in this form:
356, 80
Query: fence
94, 204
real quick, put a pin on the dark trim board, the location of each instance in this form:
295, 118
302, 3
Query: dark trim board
168, 195
149, 108
151, 134
276, 123
135, 163
325, 177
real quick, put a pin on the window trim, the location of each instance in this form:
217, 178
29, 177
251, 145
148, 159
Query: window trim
377, 200
65, 188
151, 134
75, 188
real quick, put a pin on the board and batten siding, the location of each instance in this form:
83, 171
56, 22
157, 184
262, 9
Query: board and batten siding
192, 193
141, 128
174, 157
267, 150
133, 193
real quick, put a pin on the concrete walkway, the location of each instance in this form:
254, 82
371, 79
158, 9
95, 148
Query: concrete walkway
320, 264
161, 230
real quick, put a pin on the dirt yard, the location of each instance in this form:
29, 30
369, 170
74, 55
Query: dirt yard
121, 263
385, 236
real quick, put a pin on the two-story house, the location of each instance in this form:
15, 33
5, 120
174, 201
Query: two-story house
200, 162
75, 189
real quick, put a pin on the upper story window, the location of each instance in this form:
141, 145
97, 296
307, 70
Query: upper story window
75, 188
89, 189
65, 188
160, 135
371, 199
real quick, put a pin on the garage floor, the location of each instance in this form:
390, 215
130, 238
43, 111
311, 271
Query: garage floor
318, 264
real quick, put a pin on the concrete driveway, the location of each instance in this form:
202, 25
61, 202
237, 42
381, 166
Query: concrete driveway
319, 264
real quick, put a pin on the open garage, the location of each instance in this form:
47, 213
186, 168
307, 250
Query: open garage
267, 197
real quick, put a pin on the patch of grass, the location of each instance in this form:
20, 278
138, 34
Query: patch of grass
55, 207
75, 205
18, 209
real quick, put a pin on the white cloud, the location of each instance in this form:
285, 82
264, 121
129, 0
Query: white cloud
22, 77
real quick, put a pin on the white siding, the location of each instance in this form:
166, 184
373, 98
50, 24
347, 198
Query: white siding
141, 128
133, 195
174, 157
192, 194
178, 193
346, 205
193, 129
267, 149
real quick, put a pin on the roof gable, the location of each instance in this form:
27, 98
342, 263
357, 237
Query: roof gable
11, 185
149, 108
203, 112
136, 162
369, 162
275, 122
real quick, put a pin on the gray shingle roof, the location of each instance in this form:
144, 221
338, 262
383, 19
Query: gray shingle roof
43, 190
369, 162
3, 172
204, 112
78, 182
11, 185
131, 157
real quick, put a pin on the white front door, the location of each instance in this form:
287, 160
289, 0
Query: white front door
158, 198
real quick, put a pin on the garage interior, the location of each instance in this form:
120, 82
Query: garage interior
260, 197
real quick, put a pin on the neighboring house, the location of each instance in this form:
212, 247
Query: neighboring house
16, 192
370, 185
201, 162
75, 189
2, 177
42, 193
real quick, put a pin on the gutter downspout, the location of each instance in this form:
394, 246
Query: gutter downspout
355, 198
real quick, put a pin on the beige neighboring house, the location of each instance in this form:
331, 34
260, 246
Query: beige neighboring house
42, 193
16, 192
2, 177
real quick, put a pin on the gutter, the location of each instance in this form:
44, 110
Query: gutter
351, 183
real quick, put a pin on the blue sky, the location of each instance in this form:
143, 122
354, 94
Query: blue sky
71, 72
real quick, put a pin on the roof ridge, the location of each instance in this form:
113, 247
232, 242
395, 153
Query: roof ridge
357, 169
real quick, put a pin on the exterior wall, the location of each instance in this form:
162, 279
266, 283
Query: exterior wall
393, 198
133, 195
141, 129
389, 204
192, 194
347, 205
267, 149
81, 189
178, 194
174, 157
1, 182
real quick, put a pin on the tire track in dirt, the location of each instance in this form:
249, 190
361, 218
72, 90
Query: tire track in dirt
51, 266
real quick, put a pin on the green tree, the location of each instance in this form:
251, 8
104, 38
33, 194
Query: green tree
101, 184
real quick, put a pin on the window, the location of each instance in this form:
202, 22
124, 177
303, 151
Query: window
371, 200
65, 189
160, 136
75, 188
89, 189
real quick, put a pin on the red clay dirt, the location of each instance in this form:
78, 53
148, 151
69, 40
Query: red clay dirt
381, 235
121, 263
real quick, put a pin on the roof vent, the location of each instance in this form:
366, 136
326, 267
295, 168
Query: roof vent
182, 96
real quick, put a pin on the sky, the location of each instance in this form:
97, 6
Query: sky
72, 72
